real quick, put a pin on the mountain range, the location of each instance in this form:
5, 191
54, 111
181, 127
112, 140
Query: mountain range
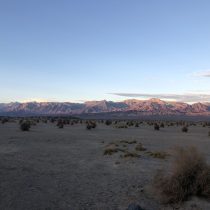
132, 107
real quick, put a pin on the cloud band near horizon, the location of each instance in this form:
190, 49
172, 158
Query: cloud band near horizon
188, 98
204, 73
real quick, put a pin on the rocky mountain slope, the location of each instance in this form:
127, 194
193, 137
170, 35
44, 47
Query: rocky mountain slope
142, 107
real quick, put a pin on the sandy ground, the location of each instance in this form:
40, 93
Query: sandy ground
59, 169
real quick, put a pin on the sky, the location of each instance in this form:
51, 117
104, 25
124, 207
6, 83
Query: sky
79, 50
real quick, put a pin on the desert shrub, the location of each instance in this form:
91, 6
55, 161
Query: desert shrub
110, 151
156, 127
121, 126
52, 120
91, 125
140, 147
25, 126
128, 142
185, 129
209, 133
21, 121
130, 123
190, 176
60, 124
4, 120
137, 125
108, 122
162, 125
88, 127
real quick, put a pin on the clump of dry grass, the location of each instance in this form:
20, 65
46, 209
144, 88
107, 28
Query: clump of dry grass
190, 176
128, 142
113, 148
110, 151
140, 147
131, 155
158, 154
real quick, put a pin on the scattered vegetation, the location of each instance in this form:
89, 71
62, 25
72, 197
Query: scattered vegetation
130, 123
131, 155
25, 126
110, 151
121, 126
190, 176
140, 147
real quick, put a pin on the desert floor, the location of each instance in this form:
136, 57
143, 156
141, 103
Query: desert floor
49, 168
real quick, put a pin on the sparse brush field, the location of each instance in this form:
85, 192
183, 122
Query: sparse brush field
104, 167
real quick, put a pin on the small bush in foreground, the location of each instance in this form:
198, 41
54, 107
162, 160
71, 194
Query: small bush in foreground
25, 126
190, 176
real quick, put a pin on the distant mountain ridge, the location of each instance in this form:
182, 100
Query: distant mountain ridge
152, 106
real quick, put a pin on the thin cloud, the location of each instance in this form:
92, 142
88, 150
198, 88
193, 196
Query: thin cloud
188, 98
205, 73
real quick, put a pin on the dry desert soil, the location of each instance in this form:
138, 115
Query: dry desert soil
49, 168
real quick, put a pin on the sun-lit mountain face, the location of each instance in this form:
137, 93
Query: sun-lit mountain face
152, 106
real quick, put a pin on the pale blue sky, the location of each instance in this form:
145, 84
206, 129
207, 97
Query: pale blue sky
75, 50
